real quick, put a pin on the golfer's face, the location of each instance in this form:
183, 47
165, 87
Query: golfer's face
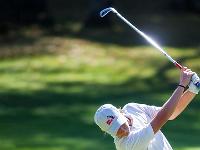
124, 130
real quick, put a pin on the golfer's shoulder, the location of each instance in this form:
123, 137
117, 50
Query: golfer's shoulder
134, 105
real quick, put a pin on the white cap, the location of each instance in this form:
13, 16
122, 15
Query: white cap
109, 119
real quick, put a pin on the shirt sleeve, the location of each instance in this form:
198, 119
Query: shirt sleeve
151, 111
140, 139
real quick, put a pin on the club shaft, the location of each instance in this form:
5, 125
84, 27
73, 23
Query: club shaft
152, 42
104, 12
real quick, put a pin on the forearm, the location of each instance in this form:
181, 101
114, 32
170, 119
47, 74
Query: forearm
185, 99
167, 110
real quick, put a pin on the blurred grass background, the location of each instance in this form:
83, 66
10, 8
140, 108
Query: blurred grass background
53, 78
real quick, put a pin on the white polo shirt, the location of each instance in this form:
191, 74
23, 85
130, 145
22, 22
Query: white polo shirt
142, 136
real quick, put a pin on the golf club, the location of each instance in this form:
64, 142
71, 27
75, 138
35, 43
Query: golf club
105, 11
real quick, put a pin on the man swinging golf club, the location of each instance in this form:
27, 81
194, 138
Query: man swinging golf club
137, 126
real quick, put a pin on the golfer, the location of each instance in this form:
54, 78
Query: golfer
137, 126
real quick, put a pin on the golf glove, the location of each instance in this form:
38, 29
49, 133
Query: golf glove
192, 87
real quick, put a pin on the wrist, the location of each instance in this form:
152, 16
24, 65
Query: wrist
181, 85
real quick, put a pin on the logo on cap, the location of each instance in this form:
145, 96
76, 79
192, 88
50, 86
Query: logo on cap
110, 119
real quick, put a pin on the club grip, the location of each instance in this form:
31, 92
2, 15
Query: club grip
178, 65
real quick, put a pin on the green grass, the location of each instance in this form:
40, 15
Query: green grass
47, 101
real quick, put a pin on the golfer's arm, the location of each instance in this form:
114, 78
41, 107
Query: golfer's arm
185, 99
167, 110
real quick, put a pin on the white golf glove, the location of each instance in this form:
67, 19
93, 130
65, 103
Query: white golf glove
192, 87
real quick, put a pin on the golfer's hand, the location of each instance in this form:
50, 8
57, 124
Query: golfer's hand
185, 76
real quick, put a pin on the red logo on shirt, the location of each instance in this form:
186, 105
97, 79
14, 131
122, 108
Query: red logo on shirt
110, 119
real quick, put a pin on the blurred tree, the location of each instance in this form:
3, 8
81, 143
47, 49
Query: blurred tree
186, 5
23, 12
